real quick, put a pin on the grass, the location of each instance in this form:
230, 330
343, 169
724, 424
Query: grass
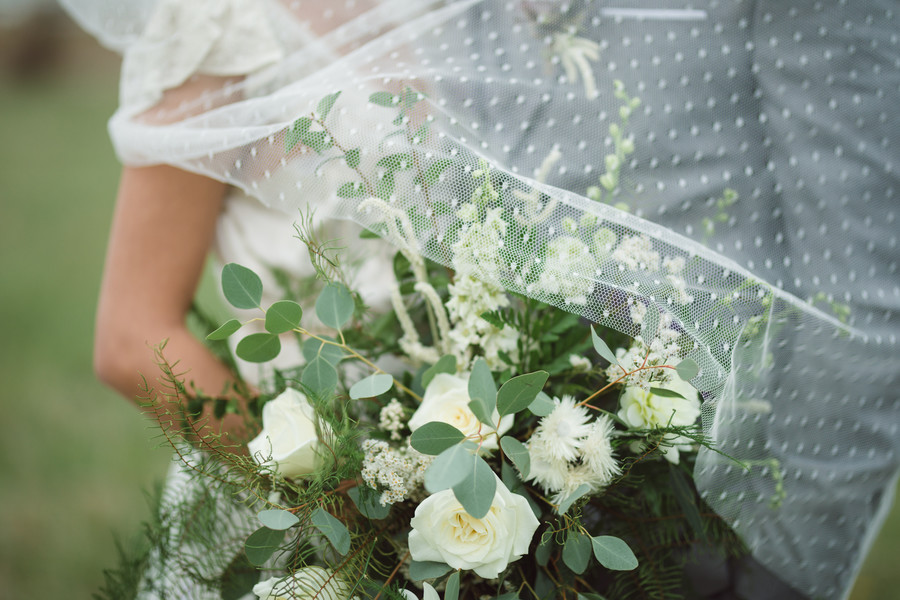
74, 457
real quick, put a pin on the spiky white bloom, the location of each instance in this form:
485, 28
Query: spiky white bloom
597, 450
559, 435
568, 263
399, 473
391, 418
547, 472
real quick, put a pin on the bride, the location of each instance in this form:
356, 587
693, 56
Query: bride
755, 139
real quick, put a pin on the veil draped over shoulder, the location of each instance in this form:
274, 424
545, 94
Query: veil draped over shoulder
726, 169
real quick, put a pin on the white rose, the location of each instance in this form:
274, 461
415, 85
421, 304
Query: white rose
642, 410
447, 400
305, 584
288, 441
442, 531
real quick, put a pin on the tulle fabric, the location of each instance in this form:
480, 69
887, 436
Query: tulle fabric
726, 169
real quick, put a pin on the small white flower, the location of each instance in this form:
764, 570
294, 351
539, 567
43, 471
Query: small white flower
642, 410
580, 363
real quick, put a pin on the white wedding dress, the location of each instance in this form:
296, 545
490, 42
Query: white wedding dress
749, 148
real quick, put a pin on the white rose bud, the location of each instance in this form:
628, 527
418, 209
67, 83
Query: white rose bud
447, 400
305, 584
288, 441
642, 410
442, 531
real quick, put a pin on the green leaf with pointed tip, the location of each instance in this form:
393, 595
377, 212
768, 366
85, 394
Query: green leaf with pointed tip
371, 386
445, 364
613, 553
225, 331
450, 467
451, 591
241, 286
420, 571
544, 548
313, 348
366, 500
566, 504
519, 392
577, 551
434, 437
335, 305
687, 369
352, 158
333, 529
283, 316
395, 162
684, 494
258, 347
517, 453
476, 491
664, 393
325, 105
602, 349
262, 544
320, 376
483, 392
433, 172
384, 98
542, 406
351, 189
278, 519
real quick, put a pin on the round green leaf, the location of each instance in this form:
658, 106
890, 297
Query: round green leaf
542, 406
613, 553
225, 330
278, 519
577, 551
544, 548
333, 529
687, 369
451, 591
241, 286
519, 392
366, 500
320, 376
450, 467
371, 386
313, 348
420, 571
335, 305
262, 544
476, 491
259, 347
517, 453
283, 316
567, 503
435, 437
446, 364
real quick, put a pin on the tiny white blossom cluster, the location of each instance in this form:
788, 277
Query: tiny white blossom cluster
567, 270
567, 450
636, 253
663, 350
477, 251
391, 419
398, 472
469, 299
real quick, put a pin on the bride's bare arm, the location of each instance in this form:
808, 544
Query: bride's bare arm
162, 228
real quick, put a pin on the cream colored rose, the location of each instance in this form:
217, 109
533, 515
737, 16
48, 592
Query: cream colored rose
447, 400
288, 441
442, 531
642, 410
305, 584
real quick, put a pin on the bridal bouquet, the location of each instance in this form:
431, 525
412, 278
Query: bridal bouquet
468, 444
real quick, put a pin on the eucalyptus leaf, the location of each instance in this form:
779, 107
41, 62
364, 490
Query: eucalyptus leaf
258, 347
445, 364
283, 316
351, 189
613, 553
239, 578
335, 305
684, 494
330, 352
451, 591
567, 503
483, 392
325, 105
602, 349
352, 158
278, 519
320, 376
542, 405
544, 549
225, 330
476, 491
687, 369
664, 393
435, 437
420, 571
241, 286
262, 544
371, 386
333, 529
450, 467
577, 551
384, 98
517, 453
433, 172
518, 393
395, 162
367, 501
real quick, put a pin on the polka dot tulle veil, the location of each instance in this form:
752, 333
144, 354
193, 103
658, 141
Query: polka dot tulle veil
729, 169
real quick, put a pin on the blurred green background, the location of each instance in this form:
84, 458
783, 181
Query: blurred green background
75, 459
